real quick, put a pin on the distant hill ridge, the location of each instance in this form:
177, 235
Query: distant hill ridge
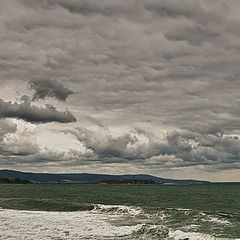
88, 177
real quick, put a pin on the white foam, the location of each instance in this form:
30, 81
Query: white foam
117, 209
184, 209
219, 221
179, 235
29, 225
215, 220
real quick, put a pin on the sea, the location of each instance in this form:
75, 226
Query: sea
98, 211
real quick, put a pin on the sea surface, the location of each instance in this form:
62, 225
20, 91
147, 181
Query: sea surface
87, 211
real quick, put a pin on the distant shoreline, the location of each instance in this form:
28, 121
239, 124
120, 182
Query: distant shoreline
74, 178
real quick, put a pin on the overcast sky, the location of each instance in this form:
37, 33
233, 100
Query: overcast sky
130, 86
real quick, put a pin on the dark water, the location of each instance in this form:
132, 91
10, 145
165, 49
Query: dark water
207, 211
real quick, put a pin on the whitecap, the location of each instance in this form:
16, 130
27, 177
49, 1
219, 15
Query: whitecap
116, 209
219, 221
41, 225
179, 235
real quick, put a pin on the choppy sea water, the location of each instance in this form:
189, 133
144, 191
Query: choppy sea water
191, 212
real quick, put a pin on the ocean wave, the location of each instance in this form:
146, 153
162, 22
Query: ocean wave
44, 204
179, 235
102, 222
150, 232
29, 225
117, 209
216, 220
219, 221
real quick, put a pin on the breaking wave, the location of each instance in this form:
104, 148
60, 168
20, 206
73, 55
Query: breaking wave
42, 225
98, 222
117, 209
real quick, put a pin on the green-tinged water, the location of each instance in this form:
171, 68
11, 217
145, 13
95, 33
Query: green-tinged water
207, 211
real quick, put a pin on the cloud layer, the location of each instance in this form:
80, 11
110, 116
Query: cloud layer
175, 149
169, 68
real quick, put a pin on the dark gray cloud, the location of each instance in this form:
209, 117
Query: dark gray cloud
34, 114
49, 88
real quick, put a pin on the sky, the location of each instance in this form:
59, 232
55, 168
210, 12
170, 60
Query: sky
130, 86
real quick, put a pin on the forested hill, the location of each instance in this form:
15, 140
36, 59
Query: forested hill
87, 177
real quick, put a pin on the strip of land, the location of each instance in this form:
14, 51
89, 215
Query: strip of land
67, 178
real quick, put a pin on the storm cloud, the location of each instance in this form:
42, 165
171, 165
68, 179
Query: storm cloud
49, 88
34, 114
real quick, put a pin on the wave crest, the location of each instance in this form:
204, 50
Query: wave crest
117, 209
